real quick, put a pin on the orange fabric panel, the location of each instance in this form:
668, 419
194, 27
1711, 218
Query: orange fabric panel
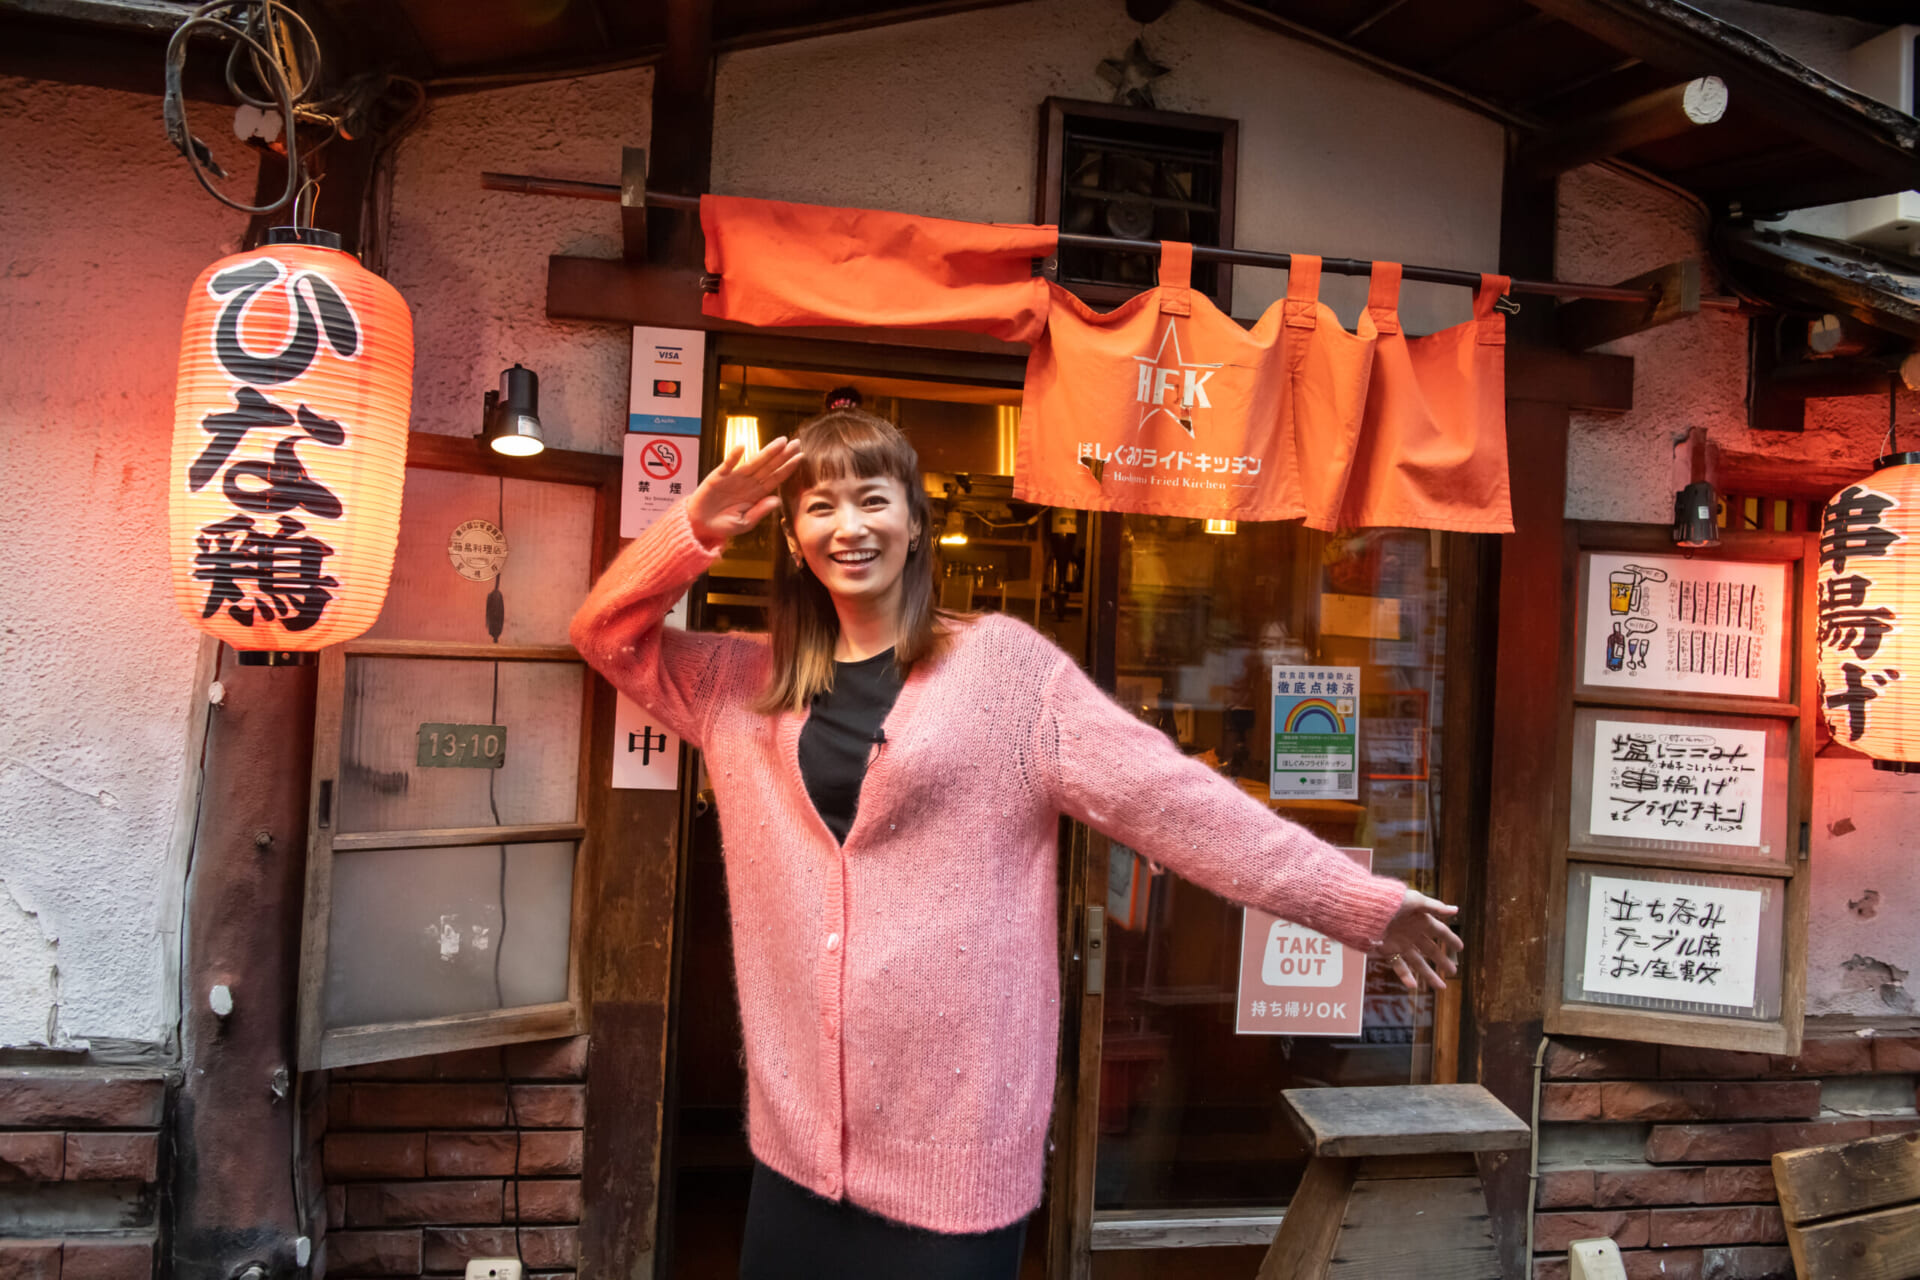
1178, 409
1433, 445
1329, 375
803, 264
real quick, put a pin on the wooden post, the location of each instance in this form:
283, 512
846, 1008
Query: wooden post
234, 1123
682, 147
1665, 113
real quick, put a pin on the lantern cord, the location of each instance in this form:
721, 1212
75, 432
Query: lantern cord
1893, 414
266, 19
493, 716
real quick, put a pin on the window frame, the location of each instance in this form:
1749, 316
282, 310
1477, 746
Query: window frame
320, 1047
1047, 197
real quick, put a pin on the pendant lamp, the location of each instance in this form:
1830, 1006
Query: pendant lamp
289, 447
1869, 614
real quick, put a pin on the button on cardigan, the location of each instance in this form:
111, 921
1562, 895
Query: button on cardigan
899, 992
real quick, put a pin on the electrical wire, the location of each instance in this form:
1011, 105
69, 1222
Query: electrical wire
262, 18
493, 804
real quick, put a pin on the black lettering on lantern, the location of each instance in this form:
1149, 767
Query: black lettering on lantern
284, 567
1855, 697
1852, 527
317, 308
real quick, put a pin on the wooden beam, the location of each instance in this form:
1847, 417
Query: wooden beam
1595, 384
1848, 1177
1587, 323
1664, 113
682, 147
633, 203
1848, 126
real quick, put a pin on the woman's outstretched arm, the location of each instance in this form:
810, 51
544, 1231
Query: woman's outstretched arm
1123, 777
620, 629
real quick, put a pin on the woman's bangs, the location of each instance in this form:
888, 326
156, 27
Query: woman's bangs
844, 445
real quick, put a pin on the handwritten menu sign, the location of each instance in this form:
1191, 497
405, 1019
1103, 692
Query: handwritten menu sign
1295, 981
1690, 625
1680, 783
1671, 941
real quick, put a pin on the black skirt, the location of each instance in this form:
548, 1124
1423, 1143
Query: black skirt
793, 1234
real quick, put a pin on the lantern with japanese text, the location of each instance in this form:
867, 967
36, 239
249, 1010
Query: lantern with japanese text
1869, 602
289, 446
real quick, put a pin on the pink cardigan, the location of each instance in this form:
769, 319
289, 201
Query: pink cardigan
900, 994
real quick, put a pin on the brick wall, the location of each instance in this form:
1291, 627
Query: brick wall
428, 1162
79, 1172
1666, 1150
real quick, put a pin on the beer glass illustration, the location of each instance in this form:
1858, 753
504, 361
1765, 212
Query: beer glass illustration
1626, 588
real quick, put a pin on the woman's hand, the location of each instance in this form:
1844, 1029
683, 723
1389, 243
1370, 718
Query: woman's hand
741, 491
1419, 946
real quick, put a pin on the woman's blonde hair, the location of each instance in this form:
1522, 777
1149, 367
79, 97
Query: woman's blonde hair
841, 444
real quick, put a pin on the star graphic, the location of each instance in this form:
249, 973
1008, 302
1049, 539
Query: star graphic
1168, 335
1132, 75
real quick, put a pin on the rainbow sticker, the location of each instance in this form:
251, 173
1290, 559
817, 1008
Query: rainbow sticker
1316, 733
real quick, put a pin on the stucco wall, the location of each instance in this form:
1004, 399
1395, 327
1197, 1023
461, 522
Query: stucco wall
1864, 926
942, 117
473, 264
102, 230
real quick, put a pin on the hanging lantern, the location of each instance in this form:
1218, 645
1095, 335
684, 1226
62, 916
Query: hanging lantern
1869, 626
289, 446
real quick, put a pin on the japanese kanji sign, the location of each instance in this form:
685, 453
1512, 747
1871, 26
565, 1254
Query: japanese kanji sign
1688, 625
1672, 941
1869, 577
646, 754
289, 447
1295, 981
1679, 783
1316, 733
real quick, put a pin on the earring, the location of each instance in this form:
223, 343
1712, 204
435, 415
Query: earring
913, 546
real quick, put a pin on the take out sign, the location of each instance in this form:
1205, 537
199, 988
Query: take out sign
1295, 981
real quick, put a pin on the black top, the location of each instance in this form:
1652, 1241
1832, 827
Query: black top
838, 739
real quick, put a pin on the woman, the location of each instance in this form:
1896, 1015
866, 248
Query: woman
889, 780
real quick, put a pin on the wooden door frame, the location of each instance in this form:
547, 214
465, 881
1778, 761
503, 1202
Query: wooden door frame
1472, 562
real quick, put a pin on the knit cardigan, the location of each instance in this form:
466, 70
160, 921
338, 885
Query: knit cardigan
899, 993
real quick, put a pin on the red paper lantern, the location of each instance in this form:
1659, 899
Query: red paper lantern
289, 446
1870, 614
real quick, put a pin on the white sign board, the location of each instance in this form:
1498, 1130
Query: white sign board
1316, 733
662, 449
1692, 625
1690, 783
646, 754
1669, 941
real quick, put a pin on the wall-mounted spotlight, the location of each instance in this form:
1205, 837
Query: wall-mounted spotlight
954, 532
511, 422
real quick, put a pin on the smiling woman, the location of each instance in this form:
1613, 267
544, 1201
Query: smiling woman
877, 755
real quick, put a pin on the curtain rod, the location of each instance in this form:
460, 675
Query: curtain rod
527, 184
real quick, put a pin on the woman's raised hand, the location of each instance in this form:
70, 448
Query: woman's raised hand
1419, 946
741, 491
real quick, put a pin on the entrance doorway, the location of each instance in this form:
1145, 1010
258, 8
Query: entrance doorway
1170, 1155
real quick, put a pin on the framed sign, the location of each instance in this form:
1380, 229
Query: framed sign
1674, 941
1679, 887
1707, 787
1682, 624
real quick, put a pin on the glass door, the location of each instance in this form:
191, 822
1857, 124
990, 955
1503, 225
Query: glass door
1205, 630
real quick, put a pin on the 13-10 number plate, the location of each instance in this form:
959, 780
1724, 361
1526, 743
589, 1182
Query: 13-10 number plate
462, 746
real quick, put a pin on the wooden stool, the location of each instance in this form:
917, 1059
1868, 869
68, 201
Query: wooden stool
1392, 1190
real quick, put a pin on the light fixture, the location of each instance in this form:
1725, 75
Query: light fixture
289, 447
742, 429
1223, 526
511, 424
1696, 502
954, 532
1868, 600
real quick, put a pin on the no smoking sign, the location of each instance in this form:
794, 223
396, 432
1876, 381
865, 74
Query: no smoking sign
658, 472
660, 459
